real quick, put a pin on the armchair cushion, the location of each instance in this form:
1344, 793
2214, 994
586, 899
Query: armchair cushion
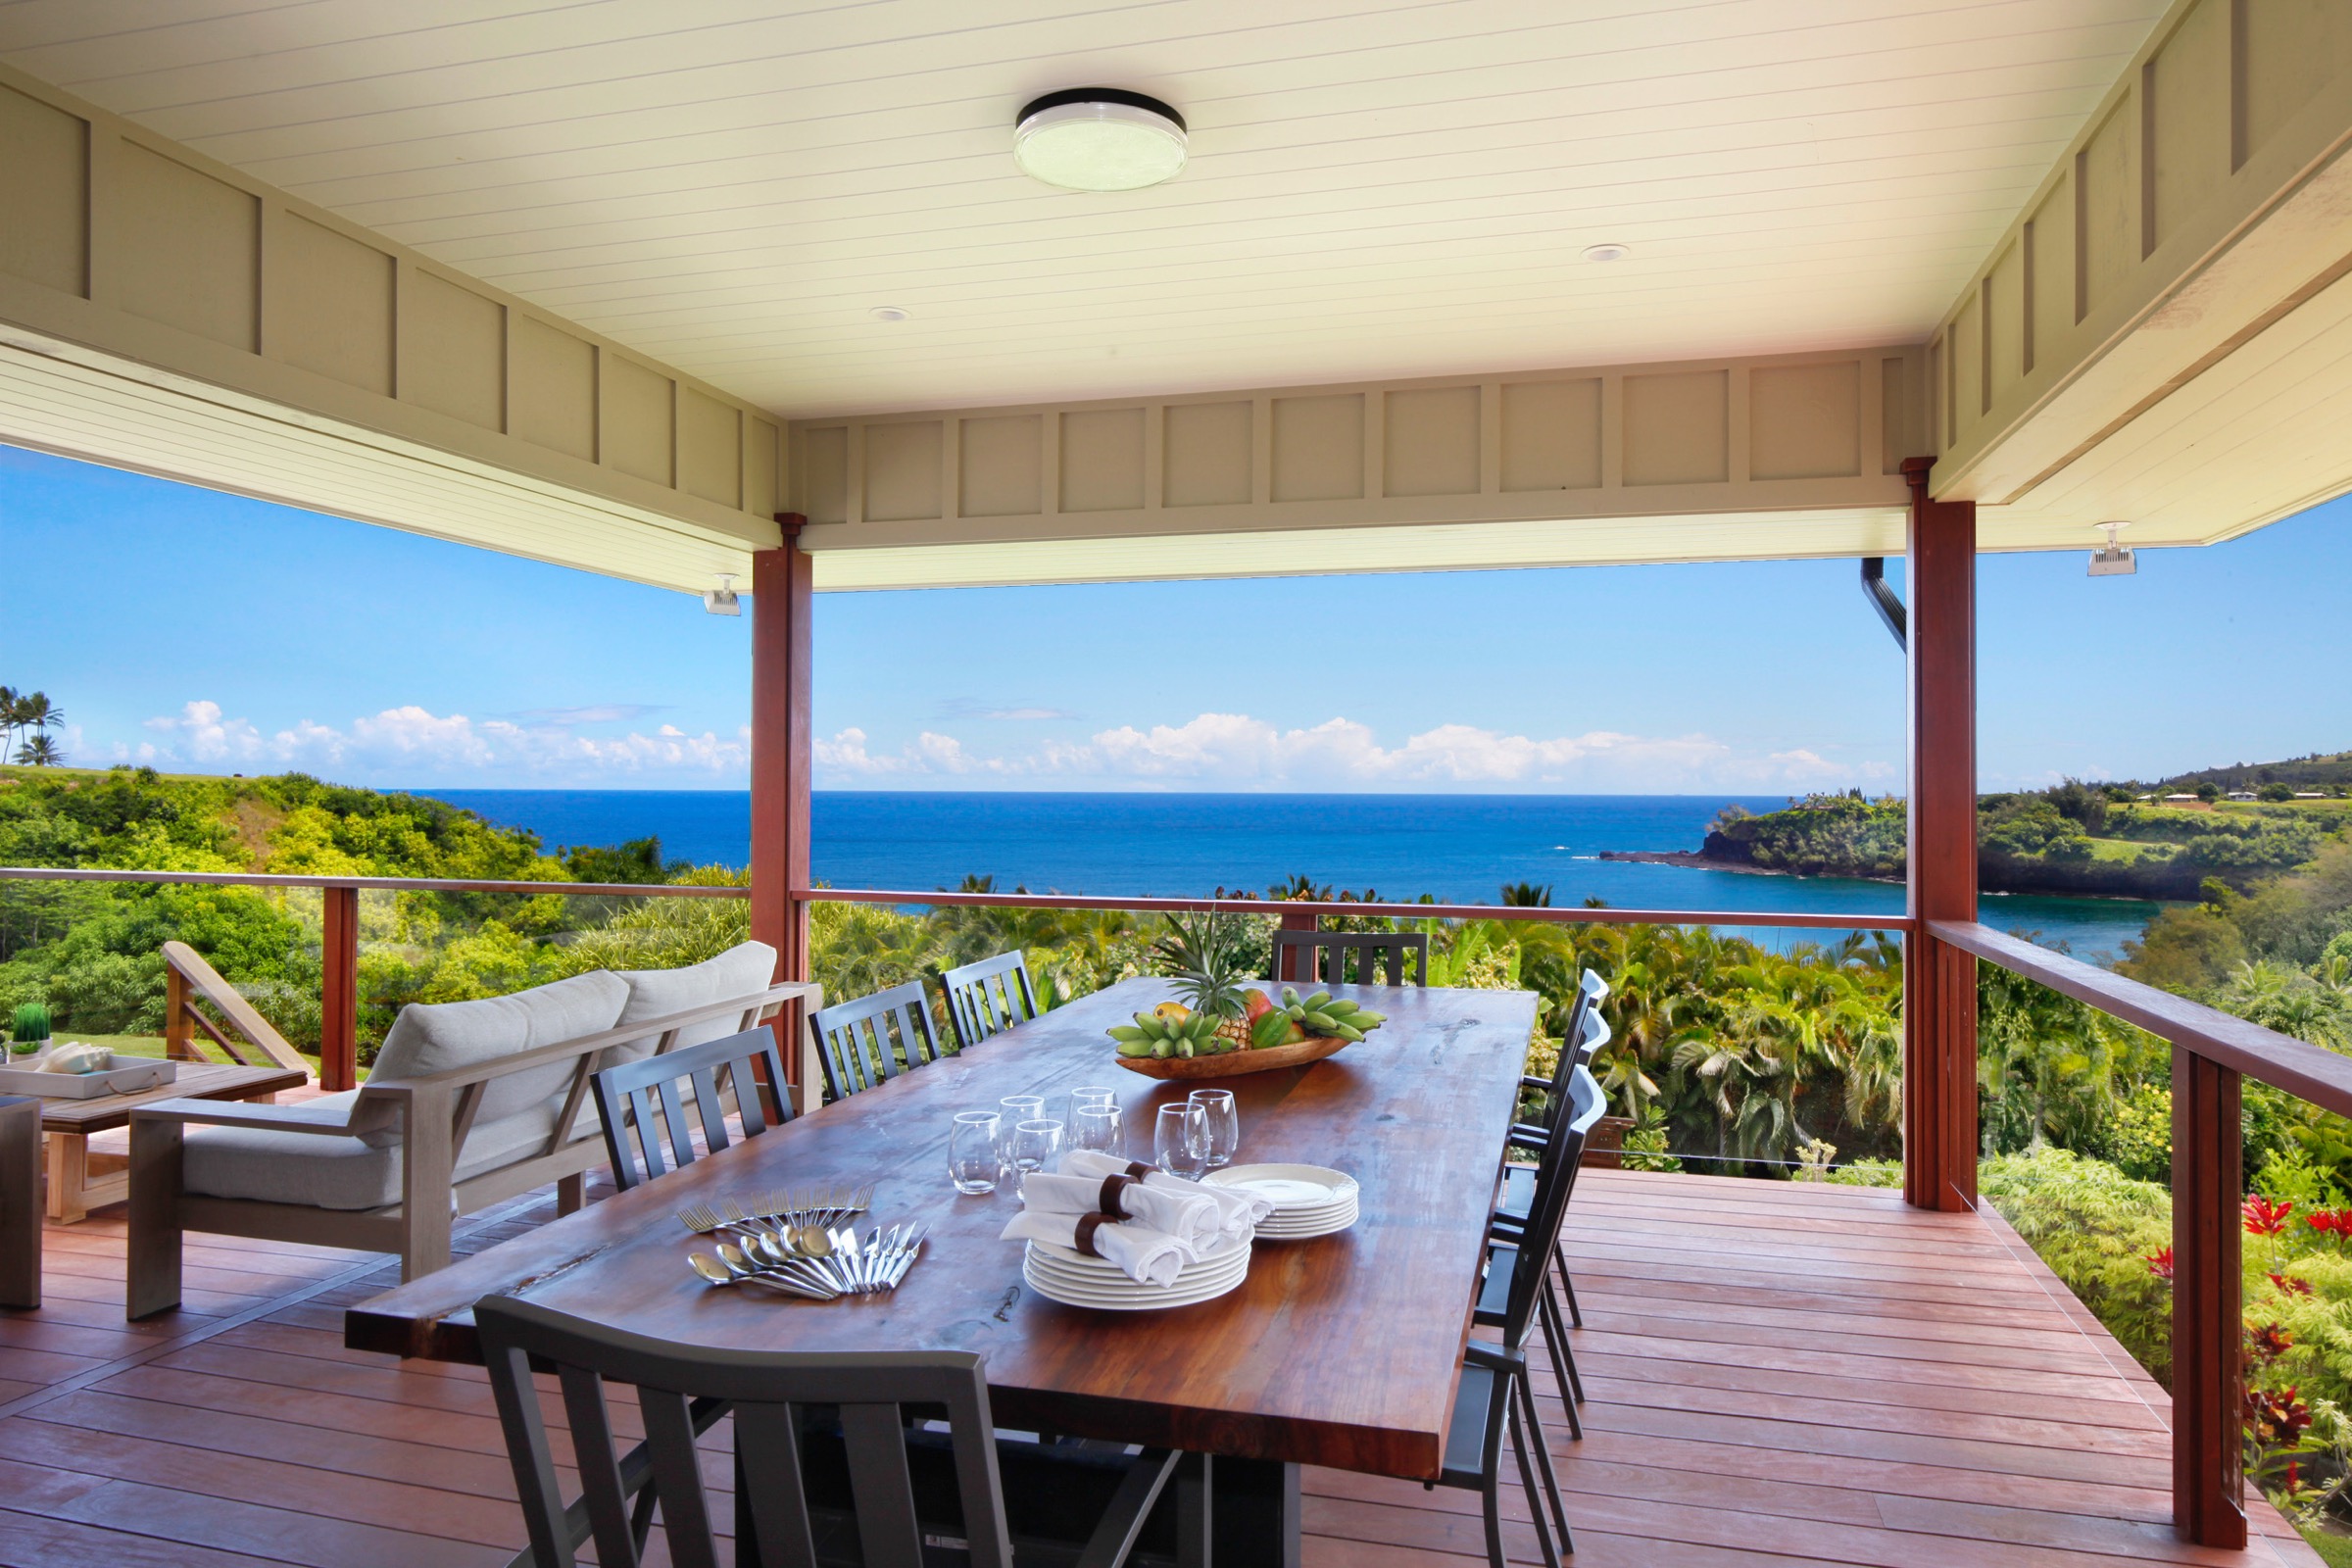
440, 1037
743, 970
345, 1173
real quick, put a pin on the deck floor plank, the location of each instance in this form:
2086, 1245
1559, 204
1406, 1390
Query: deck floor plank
1779, 1375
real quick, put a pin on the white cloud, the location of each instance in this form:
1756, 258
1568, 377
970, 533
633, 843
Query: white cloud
1235, 751
414, 743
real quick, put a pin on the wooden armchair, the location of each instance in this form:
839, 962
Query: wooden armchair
395, 1161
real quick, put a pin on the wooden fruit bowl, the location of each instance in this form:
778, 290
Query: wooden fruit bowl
1234, 1063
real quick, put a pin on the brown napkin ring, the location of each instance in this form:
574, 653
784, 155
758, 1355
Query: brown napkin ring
1138, 1169
1109, 1202
1083, 1241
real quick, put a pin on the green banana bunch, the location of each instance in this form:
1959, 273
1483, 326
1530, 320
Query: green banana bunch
1326, 1014
1154, 1036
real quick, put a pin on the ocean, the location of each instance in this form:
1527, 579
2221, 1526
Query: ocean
1458, 848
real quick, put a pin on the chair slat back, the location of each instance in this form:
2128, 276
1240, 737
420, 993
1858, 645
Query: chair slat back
854, 1038
1587, 1032
1323, 957
989, 996
1548, 1211
681, 1390
648, 1095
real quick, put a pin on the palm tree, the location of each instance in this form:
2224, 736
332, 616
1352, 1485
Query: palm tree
1527, 895
8, 721
40, 752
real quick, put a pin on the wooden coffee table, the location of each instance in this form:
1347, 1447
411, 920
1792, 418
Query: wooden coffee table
81, 1180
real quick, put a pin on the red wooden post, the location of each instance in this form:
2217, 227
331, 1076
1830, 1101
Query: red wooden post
1294, 920
2208, 1461
781, 757
1939, 982
339, 993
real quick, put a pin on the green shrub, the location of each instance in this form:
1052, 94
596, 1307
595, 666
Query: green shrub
1868, 1173
31, 1021
2097, 1229
2138, 1136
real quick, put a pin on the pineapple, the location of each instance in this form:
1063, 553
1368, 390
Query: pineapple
1207, 959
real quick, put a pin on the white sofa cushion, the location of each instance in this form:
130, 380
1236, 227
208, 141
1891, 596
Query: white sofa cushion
743, 970
343, 1173
438, 1037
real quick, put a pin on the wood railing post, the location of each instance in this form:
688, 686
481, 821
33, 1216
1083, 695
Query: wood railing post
339, 993
179, 1045
1939, 982
2208, 1453
1288, 963
782, 755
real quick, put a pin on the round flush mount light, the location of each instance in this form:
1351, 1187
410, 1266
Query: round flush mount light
1611, 252
891, 313
1098, 138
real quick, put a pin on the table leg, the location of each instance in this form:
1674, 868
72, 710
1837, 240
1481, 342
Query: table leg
19, 1203
1255, 1513
78, 1184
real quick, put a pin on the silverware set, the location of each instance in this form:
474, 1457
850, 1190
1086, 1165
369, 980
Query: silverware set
810, 1207
773, 1260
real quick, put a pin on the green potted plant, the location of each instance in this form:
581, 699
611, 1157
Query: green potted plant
31, 1032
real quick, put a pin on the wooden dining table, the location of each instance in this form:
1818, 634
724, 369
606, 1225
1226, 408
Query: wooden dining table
1342, 1351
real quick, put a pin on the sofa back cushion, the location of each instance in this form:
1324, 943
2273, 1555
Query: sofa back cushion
743, 970
438, 1037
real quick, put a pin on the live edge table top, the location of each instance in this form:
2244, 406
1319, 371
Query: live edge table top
1341, 1351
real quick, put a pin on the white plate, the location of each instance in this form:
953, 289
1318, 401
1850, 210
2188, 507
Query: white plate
1115, 1282
1069, 1254
1137, 1299
1290, 1188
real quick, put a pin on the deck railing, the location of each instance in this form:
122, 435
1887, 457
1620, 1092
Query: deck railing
2213, 1052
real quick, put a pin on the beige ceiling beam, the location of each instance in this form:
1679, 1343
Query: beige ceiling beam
162, 310
2175, 273
1794, 454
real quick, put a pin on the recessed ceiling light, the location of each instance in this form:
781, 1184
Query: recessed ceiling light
891, 313
1611, 252
1098, 138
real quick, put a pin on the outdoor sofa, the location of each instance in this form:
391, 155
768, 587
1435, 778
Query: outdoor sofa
468, 1103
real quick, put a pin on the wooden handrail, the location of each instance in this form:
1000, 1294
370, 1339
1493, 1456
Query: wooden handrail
1295, 908
2304, 1070
187, 972
370, 884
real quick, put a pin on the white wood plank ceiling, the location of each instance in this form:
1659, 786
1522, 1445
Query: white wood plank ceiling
1378, 188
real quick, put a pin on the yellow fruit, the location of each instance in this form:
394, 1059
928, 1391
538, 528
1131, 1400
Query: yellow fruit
1172, 1012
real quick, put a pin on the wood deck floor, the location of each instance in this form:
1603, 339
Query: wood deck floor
1777, 1375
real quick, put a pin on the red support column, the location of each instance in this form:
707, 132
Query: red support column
2208, 1459
1939, 982
340, 991
781, 757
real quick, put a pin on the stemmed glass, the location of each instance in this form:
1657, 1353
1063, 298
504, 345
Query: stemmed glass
975, 1163
1179, 1141
1224, 1124
1018, 1108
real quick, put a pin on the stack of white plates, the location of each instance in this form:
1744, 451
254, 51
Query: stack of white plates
1068, 1276
1308, 1200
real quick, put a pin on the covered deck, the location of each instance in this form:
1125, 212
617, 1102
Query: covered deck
1778, 1373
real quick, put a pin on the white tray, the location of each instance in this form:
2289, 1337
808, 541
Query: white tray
121, 1080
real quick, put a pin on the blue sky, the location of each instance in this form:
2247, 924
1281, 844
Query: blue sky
210, 633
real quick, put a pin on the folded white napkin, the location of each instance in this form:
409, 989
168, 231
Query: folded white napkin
1192, 1217
1144, 1256
1239, 1211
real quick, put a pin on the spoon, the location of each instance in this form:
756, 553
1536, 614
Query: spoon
718, 1271
744, 1267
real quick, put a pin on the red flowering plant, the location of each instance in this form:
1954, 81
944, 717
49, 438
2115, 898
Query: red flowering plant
2277, 1424
2160, 1263
2266, 1216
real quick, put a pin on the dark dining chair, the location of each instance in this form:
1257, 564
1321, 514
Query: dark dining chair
1519, 1181
854, 1038
1494, 1395
1555, 1171
989, 996
1322, 956
841, 1454
651, 1093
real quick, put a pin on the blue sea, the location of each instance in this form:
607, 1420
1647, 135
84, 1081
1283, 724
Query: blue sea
1458, 848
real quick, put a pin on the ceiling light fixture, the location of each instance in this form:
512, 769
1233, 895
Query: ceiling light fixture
722, 599
891, 313
2116, 560
1098, 138
1611, 252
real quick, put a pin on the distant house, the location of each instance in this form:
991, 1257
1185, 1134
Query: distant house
2310, 795
2241, 795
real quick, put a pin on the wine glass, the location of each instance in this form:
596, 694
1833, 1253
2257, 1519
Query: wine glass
1097, 1127
1180, 1140
1036, 1145
1093, 1095
1018, 1108
1224, 1124
975, 1163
